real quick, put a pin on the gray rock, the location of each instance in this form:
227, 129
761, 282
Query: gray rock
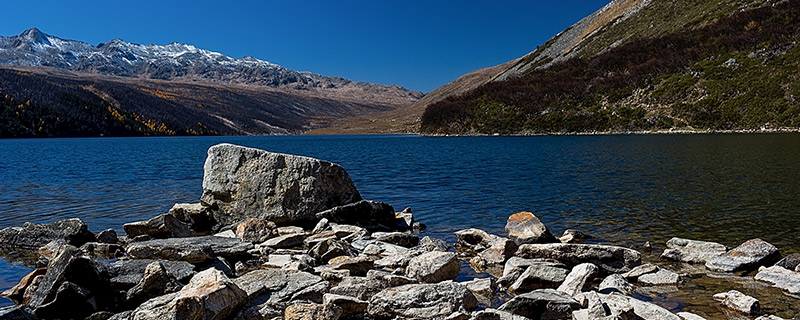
389, 279
594, 305
159, 227
85, 281
100, 315
70, 301
193, 249
515, 266
17, 313
17, 293
692, 251
739, 301
209, 295
321, 226
639, 271
749, 255
661, 277
334, 275
290, 230
542, 304
789, 262
573, 236
781, 278
429, 244
619, 304
312, 311
361, 288
200, 218
484, 289
525, 227
380, 248
769, 317
499, 250
540, 275
358, 266
256, 230
421, 301
331, 248
365, 213
473, 240
284, 260
125, 315
615, 283
578, 279
251, 183
690, 316
155, 282
103, 250
286, 241
494, 314
345, 230
313, 239
125, 274
350, 306
33, 235
434, 266
610, 259
107, 236
402, 239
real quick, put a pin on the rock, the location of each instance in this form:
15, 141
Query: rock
494, 314
256, 230
610, 259
458, 315
34, 235
286, 241
739, 301
334, 275
434, 266
421, 301
524, 227
331, 248
312, 311
484, 289
31, 289
661, 277
70, 302
615, 283
389, 279
314, 239
498, 252
208, 295
125, 274
578, 279
515, 266
429, 244
769, 317
48, 250
248, 183
17, 313
404, 220
361, 288
125, 315
380, 248
346, 230
100, 315
619, 304
290, 230
272, 290
156, 281
542, 304
107, 236
358, 266
226, 234
284, 260
692, 251
350, 306
539, 275
200, 218
17, 292
365, 213
690, 316
398, 238
67, 265
321, 226
789, 262
419, 226
639, 271
193, 249
749, 255
781, 278
103, 250
159, 227
573, 236
594, 306
474, 240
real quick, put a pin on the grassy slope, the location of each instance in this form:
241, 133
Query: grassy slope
737, 72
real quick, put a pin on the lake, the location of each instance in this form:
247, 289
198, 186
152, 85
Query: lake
624, 189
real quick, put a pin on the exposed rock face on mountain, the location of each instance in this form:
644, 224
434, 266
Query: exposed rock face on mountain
638, 65
191, 90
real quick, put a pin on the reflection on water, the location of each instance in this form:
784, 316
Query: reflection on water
621, 189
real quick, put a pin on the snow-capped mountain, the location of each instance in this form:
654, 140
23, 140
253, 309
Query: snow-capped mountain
173, 61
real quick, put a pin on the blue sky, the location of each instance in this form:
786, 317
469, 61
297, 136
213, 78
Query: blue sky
420, 45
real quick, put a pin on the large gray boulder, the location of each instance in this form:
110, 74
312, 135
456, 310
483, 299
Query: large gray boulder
749, 255
545, 304
610, 259
34, 235
244, 183
692, 251
421, 301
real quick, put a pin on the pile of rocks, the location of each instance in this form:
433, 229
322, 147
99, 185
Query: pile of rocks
278, 236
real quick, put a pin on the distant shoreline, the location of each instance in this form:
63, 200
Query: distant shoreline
616, 133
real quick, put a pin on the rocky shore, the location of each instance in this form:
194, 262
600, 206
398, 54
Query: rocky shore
279, 236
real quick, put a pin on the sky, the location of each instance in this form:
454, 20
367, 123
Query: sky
420, 45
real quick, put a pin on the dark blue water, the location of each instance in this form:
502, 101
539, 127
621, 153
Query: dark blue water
621, 189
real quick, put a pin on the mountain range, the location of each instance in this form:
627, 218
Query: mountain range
176, 86
639, 65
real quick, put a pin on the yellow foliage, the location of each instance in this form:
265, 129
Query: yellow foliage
24, 74
161, 94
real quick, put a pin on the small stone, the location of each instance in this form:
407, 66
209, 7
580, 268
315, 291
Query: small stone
781, 278
331, 248
540, 275
434, 266
256, 230
286, 241
690, 316
641, 270
358, 266
615, 283
33, 235
398, 238
739, 301
749, 255
350, 306
573, 236
322, 225
578, 279
789, 262
155, 282
290, 230
542, 304
692, 251
200, 218
107, 236
525, 227
334, 274
312, 311
621, 306
345, 230
661, 277
483, 289
159, 227
17, 292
